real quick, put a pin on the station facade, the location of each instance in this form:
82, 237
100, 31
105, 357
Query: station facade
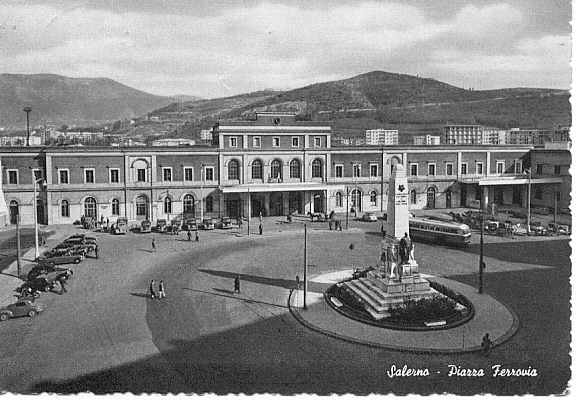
272, 165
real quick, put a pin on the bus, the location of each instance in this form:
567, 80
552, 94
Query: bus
430, 230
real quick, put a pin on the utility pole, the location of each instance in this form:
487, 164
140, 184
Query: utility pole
249, 211
481, 263
18, 258
27, 111
555, 206
529, 195
35, 211
347, 204
305, 265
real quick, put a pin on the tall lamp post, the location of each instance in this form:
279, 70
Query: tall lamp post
27, 111
529, 172
481, 265
35, 211
203, 173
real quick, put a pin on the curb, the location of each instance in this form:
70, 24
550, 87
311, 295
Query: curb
403, 349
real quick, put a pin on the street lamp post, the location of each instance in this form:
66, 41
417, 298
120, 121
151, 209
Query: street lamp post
305, 266
203, 172
481, 265
35, 211
18, 252
27, 111
529, 195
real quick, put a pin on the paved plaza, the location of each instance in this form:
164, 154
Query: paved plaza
107, 335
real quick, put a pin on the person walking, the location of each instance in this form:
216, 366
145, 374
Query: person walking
297, 281
96, 251
152, 291
161, 292
486, 344
237, 284
62, 280
197, 236
260, 217
154, 244
260, 229
189, 236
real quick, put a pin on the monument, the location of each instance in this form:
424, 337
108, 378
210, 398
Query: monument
396, 279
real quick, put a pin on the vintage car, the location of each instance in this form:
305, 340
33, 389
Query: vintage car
369, 217
47, 270
59, 260
208, 224
161, 225
120, 227
21, 308
145, 226
224, 223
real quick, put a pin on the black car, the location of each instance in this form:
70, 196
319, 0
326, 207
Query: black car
39, 270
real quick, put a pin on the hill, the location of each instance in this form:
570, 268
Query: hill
72, 101
399, 100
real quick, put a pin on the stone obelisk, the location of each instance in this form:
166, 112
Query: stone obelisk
398, 213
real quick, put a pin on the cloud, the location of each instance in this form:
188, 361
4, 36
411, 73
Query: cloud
267, 44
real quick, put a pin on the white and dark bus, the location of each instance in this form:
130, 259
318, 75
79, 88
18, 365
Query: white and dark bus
430, 230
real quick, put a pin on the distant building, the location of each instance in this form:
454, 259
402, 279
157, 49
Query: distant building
20, 140
173, 142
473, 134
533, 136
561, 134
381, 137
206, 135
428, 140
83, 137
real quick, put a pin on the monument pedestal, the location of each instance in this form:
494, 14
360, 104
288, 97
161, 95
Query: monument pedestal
379, 292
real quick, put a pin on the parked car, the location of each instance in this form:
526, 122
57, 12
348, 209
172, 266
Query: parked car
160, 225
559, 229
59, 260
537, 229
519, 229
369, 217
40, 270
120, 227
190, 225
208, 224
224, 223
145, 226
21, 308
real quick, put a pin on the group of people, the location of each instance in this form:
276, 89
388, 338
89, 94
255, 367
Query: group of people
161, 292
333, 222
189, 235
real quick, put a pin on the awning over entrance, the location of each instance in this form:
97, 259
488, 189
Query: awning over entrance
278, 187
510, 180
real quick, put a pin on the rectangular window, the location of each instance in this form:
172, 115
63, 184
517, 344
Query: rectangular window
449, 169
37, 174
339, 171
141, 175
188, 174
413, 169
431, 169
538, 193
63, 177
518, 167
317, 142
208, 173
463, 169
539, 168
499, 167
557, 169
356, 170
13, 176
233, 142
256, 141
167, 174
373, 170
479, 168
275, 141
114, 175
295, 141
89, 175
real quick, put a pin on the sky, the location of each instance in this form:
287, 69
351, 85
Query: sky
216, 48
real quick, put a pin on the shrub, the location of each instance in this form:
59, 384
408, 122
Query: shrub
427, 309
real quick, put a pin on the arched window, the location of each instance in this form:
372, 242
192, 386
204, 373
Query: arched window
209, 204
65, 209
276, 169
373, 198
338, 199
356, 199
413, 196
188, 204
256, 169
90, 207
317, 168
115, 207
233, 170
431, 198
295, 170
167, 205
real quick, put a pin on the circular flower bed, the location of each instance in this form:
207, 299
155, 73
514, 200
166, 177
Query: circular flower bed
442, 311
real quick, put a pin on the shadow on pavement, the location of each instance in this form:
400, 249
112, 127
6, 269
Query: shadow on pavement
230, 295
140, 294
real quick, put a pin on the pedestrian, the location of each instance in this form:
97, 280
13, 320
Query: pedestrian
153, 244
197, 236
189, 236
161, 292
96, 251
260, 216
330, 224
62, 280
486, 344
297, 281
43, 239
260, 229
152, 292
237, 284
